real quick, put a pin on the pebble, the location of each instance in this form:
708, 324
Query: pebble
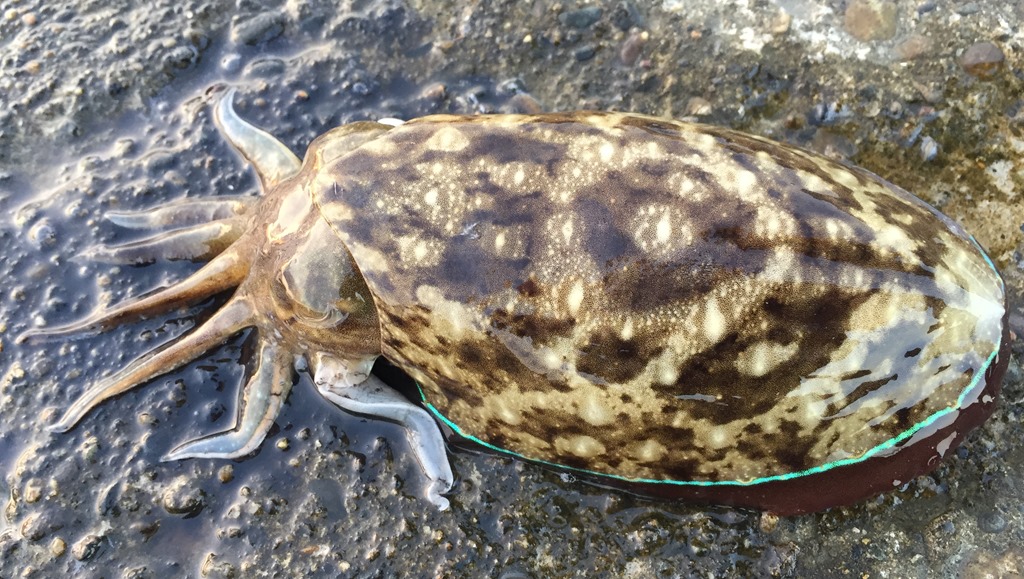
581, 18
894, 110
435, 92
282, 444
914, 47
181, 498
38, 525
585, 52
58, 547
89, 448
42, 234
780, 23
137, 573
967, 9
231, 63
524, 104
29, 19
768, 522
8, 543
87, 547
982, 60
633, 47
993, 522
261, 28
698, 107
182, 57
212, 569
33, 490
929, 149
124, 147
868, 20
226, 473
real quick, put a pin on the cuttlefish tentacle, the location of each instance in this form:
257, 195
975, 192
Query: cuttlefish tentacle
236, 315
183, 212
197, 243
352, 387
224, 272
214, 229
273, 161
263, 396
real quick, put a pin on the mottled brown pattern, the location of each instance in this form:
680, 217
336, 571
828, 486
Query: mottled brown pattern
646, 298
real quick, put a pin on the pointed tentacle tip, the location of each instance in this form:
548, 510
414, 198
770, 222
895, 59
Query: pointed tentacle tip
61, 426
36, 336
33, 336
186, 451
434, 494
107, 254
225, 106
176, 454
224, 446
84, 256
228, 96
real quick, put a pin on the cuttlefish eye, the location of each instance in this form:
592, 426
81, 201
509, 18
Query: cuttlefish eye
314, 281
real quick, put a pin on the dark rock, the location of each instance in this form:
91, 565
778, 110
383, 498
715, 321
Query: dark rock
967, 9
581, 18
585, 52
993, 522
625, 15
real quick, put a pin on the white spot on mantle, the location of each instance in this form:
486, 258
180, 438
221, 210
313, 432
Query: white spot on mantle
575, 298
582, 446
519, 176
714, 321
664, 229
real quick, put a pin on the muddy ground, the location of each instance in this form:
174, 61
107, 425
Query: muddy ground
106, 106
